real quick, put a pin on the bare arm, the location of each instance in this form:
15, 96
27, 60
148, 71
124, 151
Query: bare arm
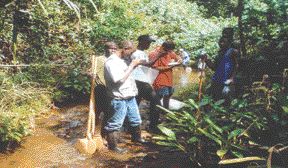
209, 62
129, 70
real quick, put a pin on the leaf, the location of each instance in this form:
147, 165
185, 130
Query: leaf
237, 154
219, 102
240, 160
42, 6
235, 133
94, 5
204, 102
166, 144
74, 7
160, 138
285, 109
192, 140
221, 152
168, 132
212, 137
212, 124
192, 102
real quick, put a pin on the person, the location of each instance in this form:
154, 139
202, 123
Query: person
163, 83
202, 64
145, 90
100, 89
225, 67
121, 88
185, 57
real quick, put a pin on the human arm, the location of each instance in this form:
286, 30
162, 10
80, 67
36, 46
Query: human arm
153, 57
209, 62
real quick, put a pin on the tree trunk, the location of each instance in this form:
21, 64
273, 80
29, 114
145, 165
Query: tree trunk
243, 51
15, 30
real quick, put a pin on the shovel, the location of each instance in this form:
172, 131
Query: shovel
92, 141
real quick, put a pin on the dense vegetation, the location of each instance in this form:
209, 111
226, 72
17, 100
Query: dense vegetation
55, 39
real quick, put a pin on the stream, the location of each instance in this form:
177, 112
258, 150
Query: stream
51, 144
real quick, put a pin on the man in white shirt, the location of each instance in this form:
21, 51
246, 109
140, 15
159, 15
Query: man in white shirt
122, 90
145, 90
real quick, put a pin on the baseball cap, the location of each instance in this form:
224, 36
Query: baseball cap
146, 37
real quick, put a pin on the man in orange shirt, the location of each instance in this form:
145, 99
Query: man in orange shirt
163, 83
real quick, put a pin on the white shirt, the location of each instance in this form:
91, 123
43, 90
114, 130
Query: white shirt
114, 71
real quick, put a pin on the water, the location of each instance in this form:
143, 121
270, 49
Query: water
183, 77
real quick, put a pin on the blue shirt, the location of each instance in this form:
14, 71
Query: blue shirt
224, 68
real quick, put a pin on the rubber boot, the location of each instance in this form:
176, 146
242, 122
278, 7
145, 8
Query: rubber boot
136, 135
119, 138
112, 142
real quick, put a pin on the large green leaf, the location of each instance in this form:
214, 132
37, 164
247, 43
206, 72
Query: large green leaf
212, 137
192, 102
168, 132
213, 125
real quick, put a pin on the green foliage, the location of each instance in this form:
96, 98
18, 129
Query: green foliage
20, 101
228, 131
265, 27
184, 23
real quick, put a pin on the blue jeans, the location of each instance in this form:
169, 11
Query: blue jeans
120, 110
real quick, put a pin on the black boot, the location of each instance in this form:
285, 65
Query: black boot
112, 138
119, 138
136, 135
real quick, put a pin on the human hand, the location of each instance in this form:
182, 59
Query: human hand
228, 81
226, 90
136, 62
162, 52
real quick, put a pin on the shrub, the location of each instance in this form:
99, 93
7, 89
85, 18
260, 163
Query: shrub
19, 103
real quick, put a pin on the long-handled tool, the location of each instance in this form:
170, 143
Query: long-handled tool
92, 141
198, 113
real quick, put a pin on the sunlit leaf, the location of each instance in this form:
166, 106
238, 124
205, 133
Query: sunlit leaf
285, 109
237, 154
192, 140
168, 132
221, 152
192, 102
235, 133
212, 137
213, 125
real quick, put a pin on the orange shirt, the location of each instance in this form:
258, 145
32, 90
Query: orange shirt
165, 77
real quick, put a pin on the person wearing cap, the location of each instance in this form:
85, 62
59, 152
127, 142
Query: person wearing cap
163, 83
145, 90
121, 89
